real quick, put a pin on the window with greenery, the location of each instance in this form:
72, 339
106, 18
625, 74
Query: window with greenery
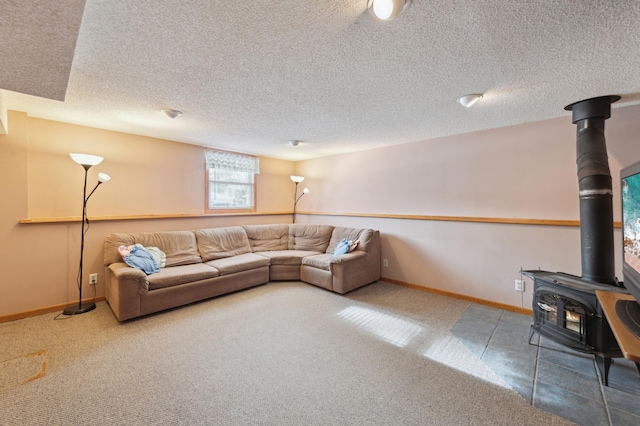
231, 181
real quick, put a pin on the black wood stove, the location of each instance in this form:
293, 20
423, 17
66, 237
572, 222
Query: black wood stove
566, 310
565, 307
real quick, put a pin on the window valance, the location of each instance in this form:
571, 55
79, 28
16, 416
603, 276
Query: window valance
223, 160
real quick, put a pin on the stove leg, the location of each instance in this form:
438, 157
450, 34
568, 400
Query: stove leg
531, 331
603, 365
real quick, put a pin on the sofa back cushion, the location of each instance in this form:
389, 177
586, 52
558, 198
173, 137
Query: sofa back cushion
268, 237
339, 232
179, 246
218, 243
369, 238
309, 237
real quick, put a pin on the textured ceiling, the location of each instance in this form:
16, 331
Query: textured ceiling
250, 76
37, 41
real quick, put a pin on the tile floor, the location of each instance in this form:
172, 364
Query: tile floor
548, 375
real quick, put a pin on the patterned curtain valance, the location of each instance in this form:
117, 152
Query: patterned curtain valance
233, 162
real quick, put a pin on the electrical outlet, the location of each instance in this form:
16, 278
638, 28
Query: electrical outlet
93, 279
519, 285
385, 263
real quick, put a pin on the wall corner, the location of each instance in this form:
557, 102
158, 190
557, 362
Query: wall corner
4, 124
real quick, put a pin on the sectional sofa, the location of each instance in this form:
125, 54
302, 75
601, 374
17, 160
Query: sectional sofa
210, 262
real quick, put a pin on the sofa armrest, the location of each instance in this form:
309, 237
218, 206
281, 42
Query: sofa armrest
126, 275
123, 287
353, 270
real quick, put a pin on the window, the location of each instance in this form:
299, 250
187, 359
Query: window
231, 181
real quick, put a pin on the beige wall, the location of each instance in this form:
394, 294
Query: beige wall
525, 171
39, 262
149, 176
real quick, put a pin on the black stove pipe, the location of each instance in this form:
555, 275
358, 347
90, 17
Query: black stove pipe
594, 177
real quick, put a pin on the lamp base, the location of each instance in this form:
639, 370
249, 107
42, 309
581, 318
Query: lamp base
79, 309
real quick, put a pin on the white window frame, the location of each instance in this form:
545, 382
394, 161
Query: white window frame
230, 164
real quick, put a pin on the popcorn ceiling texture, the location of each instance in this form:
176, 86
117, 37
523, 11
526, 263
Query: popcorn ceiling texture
250, 76
37, 41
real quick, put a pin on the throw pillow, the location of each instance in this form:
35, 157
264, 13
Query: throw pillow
341, 248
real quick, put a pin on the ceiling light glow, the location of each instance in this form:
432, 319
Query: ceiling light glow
387, 9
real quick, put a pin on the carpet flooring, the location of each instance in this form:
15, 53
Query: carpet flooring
285, 353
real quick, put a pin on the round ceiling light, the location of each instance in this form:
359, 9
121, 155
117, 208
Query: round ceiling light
171, 113
387, 9
469, 100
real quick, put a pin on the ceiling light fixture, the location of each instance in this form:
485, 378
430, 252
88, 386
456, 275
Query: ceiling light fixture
171, 113
294, 142
387, 9
469, 100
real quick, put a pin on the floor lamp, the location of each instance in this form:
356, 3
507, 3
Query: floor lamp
297, 180
86, 161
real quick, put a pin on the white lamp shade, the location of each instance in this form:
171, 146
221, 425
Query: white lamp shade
103, 177
86, 159
387, 9
305, 191
297, 179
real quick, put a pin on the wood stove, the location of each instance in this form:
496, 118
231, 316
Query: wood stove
565, 307
566, 310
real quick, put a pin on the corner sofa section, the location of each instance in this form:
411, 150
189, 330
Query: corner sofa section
210, 262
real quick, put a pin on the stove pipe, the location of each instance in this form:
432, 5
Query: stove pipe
594, 177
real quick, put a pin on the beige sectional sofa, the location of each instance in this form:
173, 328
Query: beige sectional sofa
210, 262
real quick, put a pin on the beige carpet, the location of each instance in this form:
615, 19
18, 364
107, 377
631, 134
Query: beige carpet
284, 353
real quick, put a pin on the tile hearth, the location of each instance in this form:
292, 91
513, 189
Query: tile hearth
548, 375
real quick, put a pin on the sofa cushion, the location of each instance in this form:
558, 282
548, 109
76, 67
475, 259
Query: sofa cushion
219, 243
309, 237
339, 233
268, 237
320, 261
239, 263
365, 239
179, 246
176, 275
287, 257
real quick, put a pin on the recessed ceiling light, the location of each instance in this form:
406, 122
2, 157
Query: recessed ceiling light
469, 100
294, 142
171, 113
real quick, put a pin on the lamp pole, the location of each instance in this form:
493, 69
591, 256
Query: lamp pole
80, 308
297, 180
295, 202
86, 161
